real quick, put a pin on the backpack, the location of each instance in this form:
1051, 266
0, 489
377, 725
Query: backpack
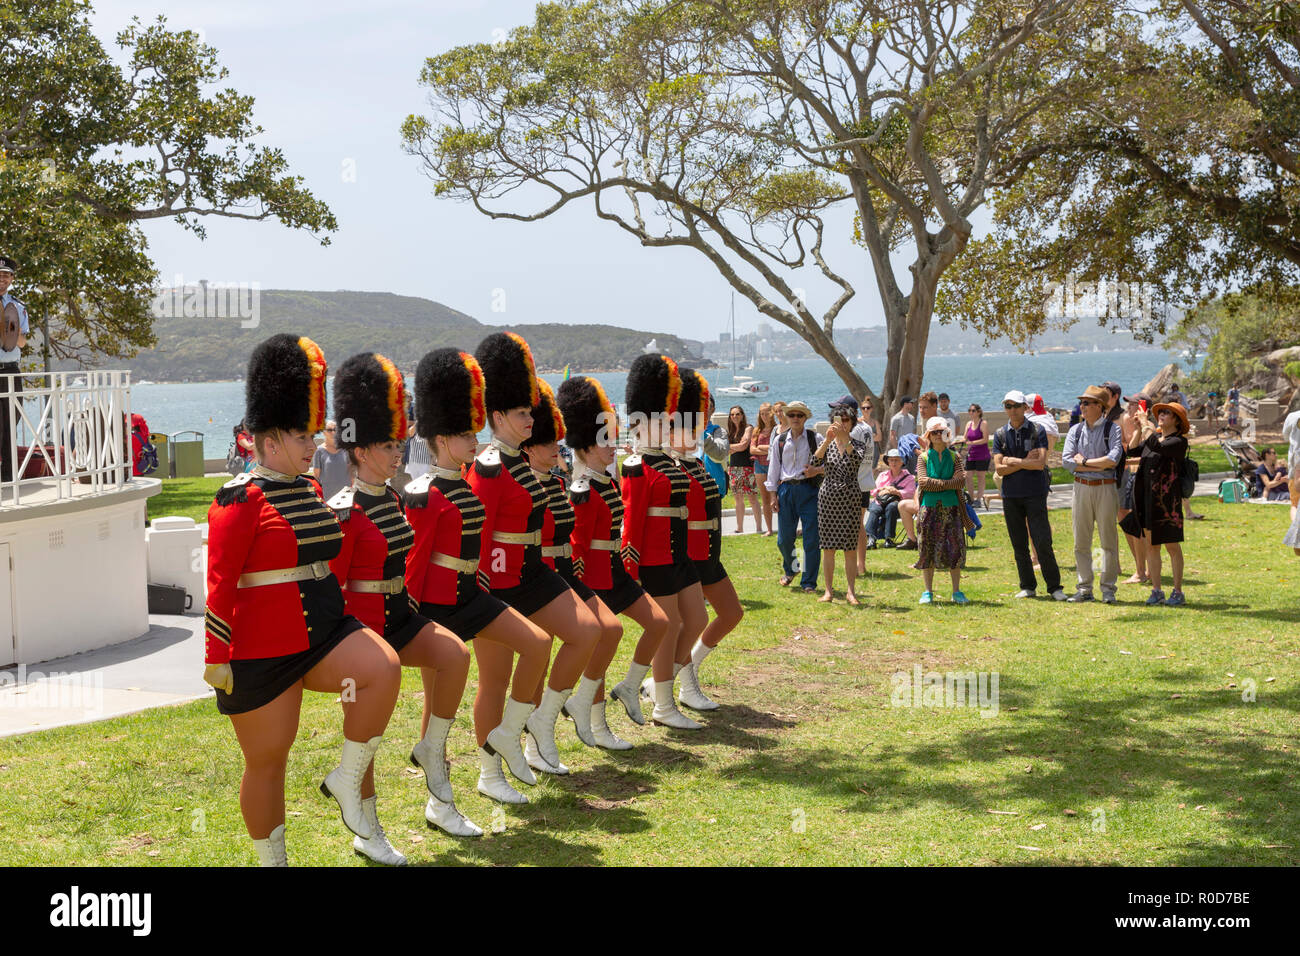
1189, 474
143, 452
235, 463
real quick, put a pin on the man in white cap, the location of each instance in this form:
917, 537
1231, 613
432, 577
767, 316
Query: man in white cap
792, 478
1020, 458
13, 336
1094, 450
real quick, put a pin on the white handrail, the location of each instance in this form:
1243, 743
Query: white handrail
74, 425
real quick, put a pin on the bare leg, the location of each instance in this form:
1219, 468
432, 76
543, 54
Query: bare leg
572, 622
851, 572
1153, 561
927, 574
726, 609
740, 511
666, 653
265, 736
365, 669
611, 632
695, 617
508, 634
828, 570
1176, 563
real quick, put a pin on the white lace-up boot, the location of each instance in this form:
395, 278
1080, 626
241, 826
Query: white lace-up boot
492, 781
344, 783
449, 820
578, 709
377, 847
692, 696
430, 754
666, 713
625, 692
541, 724
601, 732
504, 739
270, 852
537, 761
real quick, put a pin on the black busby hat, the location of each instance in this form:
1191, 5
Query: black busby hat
654, 386
548, 424
369, 401
508, 368
449, 394
694, 400
285, 385
583, 402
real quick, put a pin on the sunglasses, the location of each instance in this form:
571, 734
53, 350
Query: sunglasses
1088, 401
795, 415
1009, 405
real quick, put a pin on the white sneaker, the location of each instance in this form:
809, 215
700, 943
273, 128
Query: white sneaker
1026, 593
377, 848
449, 820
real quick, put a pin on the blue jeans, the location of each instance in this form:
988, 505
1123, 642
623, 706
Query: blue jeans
798, 503
882, 519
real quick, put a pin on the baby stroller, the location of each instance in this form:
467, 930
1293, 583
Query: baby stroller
1244, 460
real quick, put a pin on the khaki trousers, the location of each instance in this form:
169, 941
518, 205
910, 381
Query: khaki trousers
1096, 506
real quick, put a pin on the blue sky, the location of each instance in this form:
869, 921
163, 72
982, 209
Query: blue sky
332, 82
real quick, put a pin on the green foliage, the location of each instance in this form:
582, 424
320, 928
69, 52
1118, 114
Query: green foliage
94, 142
1234, 330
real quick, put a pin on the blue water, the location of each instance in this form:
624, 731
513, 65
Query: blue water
215, 407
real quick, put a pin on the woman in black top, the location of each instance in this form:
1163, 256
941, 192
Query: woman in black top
1158, 498
741, 470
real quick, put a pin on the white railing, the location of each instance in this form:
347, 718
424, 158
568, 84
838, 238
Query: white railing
70, 430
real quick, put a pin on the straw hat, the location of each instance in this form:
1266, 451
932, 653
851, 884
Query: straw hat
1178, 410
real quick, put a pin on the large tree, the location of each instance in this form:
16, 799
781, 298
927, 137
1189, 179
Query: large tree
91, 147
1182, 173
733, 127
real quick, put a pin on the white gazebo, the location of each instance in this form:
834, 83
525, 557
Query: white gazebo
73, 568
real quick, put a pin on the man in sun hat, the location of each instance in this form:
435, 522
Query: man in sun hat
793, 478
1093, 453
14, 328
1020, 457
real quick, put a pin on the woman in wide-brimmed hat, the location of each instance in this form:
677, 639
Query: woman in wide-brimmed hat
1158, 498
941, 481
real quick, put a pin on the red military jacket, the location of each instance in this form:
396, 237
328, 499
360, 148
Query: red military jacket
652, 480
705, 504
447, 519
514, 502
376, 539
264, 521
598, 512
557, 525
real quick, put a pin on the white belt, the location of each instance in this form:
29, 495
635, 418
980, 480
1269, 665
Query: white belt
710, 525
681, 512
391, 585
603, 545
316, 571
517, 537
463, 565
557, 550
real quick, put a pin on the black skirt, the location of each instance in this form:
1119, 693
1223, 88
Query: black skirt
663, 579
404, 634
622, 595
539, 587
466, 619
710, 571
261, 680
584, 593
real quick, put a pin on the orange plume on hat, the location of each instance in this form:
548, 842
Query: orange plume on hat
316, 390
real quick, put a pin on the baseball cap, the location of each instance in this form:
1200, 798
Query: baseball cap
844, 401
1015, 396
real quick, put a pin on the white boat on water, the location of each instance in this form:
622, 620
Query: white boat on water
741, 385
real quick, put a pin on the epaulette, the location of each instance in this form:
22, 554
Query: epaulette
234, 491
488, 464
631, 465
416, 494
341, 504
579, 490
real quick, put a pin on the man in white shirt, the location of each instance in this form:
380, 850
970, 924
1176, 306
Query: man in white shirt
13, 336
793, 479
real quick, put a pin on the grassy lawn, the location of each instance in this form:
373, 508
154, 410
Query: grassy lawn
1121, 736
187, 497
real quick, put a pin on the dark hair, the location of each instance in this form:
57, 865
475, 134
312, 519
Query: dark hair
943, 395
978, 407
736, 432
930, 397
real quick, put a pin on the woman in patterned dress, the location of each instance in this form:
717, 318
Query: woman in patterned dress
839, 499
1158, 499
370, 407
940, 480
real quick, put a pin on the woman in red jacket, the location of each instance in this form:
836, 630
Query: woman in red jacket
542, 449
514, 503
655, 510
443, 575
370, 409
591, 430
275, 621
704, 534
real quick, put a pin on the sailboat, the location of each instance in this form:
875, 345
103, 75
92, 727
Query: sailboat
741, 384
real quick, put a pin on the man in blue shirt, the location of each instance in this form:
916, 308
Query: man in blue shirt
13, 336
1093, 453
1020, 457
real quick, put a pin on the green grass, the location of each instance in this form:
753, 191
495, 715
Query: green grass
1122, 737
187, 497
